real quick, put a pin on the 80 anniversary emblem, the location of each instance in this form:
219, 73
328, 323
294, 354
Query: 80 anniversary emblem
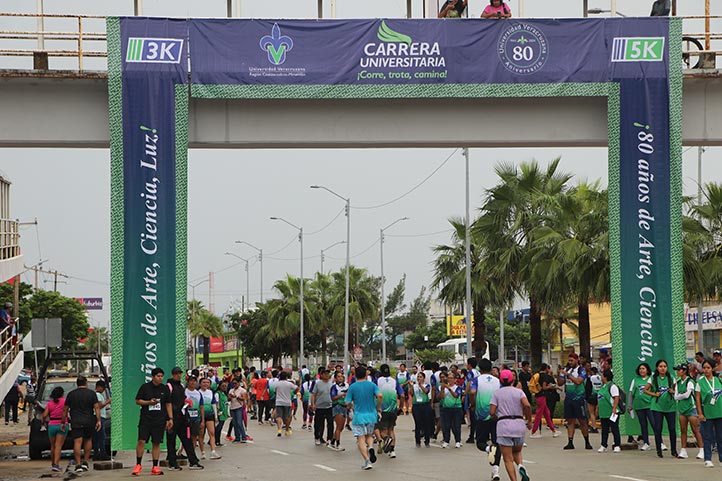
523, 49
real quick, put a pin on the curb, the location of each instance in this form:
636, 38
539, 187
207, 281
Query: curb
20, 442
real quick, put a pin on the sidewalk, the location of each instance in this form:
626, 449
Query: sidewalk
14, 434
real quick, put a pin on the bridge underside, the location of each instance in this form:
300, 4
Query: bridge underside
73, 113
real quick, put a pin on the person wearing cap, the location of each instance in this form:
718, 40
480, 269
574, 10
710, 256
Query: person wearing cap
575, 409
5, 319
684, 395
604, 359
510, 407
708, 395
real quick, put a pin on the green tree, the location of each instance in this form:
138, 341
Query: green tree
364, 302
702, 259
516, 334
320, 289
7, 294
426, 337
53, 305
98, 340
203, 323
441, 356
415, 318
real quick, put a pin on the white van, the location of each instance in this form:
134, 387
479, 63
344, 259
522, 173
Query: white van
457, 345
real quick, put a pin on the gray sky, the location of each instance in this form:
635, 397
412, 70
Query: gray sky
232, 194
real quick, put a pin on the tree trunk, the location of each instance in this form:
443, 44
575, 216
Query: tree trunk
324, 347
206, 349
584, 330
535, 334
478, 345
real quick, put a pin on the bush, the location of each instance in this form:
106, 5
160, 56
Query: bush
440, 355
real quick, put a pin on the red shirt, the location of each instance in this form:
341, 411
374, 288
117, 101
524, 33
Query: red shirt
262, 389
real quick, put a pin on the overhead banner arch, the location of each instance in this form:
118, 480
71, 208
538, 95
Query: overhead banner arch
155, 65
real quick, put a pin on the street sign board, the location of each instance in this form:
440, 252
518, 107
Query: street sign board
46, 332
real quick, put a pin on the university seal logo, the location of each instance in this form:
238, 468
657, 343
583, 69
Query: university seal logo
276, 45
523, 49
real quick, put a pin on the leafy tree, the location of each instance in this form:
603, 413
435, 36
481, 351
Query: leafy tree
440, 355
415, 318
320, 289
98, 340
7, 293
435, 333
52, 305
364, 302
203, 323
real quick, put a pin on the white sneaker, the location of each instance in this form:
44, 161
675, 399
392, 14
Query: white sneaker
617, 449
700, 454
203, 455
708, 464
495, 473
682, 454
555, 434
664, 448
492, 454
457, 445
524, 445
645, 447
444, 445
215, 455
536, 435
392, 454
602, 449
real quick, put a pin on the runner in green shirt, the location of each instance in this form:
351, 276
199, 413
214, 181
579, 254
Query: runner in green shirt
684, 395
661, 388
709, 405
222, 402
640, 402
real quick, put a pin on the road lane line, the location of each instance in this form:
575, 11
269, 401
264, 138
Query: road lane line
626, 477
279, 452
326, 468
526, 461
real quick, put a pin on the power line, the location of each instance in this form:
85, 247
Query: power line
411, 190
429, 234
343, 209
355, 255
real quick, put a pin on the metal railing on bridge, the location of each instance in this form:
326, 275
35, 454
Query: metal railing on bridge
701, 50
9, 347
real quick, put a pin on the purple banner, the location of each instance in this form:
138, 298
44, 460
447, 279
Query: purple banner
91, 303
382, 52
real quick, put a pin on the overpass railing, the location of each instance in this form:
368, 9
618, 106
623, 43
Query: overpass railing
71, 40
9, 239
9, 348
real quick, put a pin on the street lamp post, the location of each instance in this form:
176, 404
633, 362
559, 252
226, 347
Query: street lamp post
467, 242
260, 260
323, 256
248, 291
348, 268
383, 283
193, 298
300, 240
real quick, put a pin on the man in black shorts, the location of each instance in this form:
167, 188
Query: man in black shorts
156, 417
82, 404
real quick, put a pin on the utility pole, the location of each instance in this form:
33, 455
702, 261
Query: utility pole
467, 237
700, 307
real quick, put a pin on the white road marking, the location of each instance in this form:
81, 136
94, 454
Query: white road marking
326, 468
279, 452
526, 461
626, 477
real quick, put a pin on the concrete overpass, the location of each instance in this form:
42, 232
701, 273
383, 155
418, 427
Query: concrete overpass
66, 109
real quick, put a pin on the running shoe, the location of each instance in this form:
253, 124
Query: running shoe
386, 444
602, 449
84, 466
457, 445
708, 464
317, 442
174, 467
248, 438
664, 448
56, 468
156, 471
392, 454
215, 455
645, 447
522, 473
555, 434
700, 454
536, 435
136, 470
195, 467
444, 445
278, 433
366, 465
492, 454
495, 473
289, 431
203, 455
683, 454
229, 438
617, 449
372, 455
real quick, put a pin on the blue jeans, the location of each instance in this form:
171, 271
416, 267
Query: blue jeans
711, 434
451, 423
238, 428
657, 418
99, 440
645, 417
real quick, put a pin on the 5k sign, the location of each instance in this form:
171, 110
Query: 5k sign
638, 49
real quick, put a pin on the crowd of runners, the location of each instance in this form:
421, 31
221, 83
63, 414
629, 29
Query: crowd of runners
494, 403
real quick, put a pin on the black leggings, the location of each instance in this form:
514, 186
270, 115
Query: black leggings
645, 419
657, 418
263, 406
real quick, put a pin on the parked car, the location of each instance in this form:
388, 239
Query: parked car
49, 380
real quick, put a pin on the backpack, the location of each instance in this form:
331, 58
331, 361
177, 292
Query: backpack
622, 404
534, 386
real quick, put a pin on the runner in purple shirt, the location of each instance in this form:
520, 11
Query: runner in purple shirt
511, 407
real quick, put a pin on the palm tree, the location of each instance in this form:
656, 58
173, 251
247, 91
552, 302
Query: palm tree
320, 289
203, 323
513, 209
364, 301
450, 281
704, 234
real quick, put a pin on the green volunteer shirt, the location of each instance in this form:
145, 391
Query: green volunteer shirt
606, 396
449, 401
222, 406
685, 406
641, 399
421, 397
664, 403
709, 390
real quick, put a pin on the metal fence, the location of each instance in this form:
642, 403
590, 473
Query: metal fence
82, 37
9, 347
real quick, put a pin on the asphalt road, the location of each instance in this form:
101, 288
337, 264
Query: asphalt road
296, 458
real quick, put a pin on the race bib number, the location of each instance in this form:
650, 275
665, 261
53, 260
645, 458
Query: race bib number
154, 407
193, 413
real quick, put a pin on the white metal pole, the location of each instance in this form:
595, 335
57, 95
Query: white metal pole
383, 299
520, 9
41, 25
300, 239
348, 268
501, 335
248, 285
260, 258
700, 308
468, 259
613, 8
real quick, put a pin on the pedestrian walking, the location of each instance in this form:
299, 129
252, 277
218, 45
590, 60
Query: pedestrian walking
575, 406
366, 400
306, 388
11, 401
208, 422
53, 416
181, 429
223, 403
640, 402
156, 417
422, 411
684, 394
285, 392
321, 405
339, 411
451, 396
482, 390
511, 407
82, 406
608, 404
99, 452
709, 405
238, 397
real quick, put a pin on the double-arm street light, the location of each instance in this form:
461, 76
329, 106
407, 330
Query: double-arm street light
260, 259
348, 267
248, 291
300, 240
383, 283
323, 256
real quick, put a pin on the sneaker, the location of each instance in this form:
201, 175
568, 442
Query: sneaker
175, 467
659, 453
181, 456
331, 446
492, 454
645, 447
84, 466
278, 433
229, 438
602, 449
339, 448
366, 465
708, 464
569, 445
617, 449
457, 445
675, 454
203, 455
495, 473
700, 454
195, 467
136, 470
664, 448
304, 426
248, 438
79, 470
587, 445
348, 427
630, 439
427, 445
522, 473
215, 455
594, 430
536, 435
386, 444
55, 468
418, 445
444, 445
555, 434
392, 454
289, 431
469, 440
317, 442
155, 471
372, 455
682, 454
